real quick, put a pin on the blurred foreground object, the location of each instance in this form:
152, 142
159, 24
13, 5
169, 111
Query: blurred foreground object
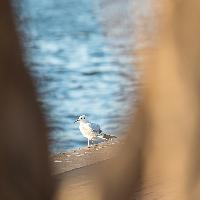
165, 138
24, 168
160, 159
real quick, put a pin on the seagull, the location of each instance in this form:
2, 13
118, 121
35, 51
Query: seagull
90, 130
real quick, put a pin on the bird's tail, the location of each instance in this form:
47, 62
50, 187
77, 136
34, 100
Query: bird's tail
105, 136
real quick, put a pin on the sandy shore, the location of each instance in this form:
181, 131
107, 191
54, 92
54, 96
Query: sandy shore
66, 161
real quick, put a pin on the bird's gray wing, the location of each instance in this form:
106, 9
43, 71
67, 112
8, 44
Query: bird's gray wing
95, 127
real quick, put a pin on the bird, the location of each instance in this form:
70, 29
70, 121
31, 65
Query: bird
90, 130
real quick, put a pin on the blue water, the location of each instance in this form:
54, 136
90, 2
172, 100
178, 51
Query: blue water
80, 64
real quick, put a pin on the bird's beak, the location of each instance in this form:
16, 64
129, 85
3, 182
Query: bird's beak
76, 120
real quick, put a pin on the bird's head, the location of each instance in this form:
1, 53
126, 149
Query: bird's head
81, 118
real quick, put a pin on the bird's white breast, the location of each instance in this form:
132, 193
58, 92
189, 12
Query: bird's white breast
87, 131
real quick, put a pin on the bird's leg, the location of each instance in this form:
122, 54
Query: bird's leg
88, 142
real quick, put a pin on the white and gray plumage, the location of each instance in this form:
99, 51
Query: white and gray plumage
90, 130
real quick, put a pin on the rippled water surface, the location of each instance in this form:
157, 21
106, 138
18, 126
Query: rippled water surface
81, 64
